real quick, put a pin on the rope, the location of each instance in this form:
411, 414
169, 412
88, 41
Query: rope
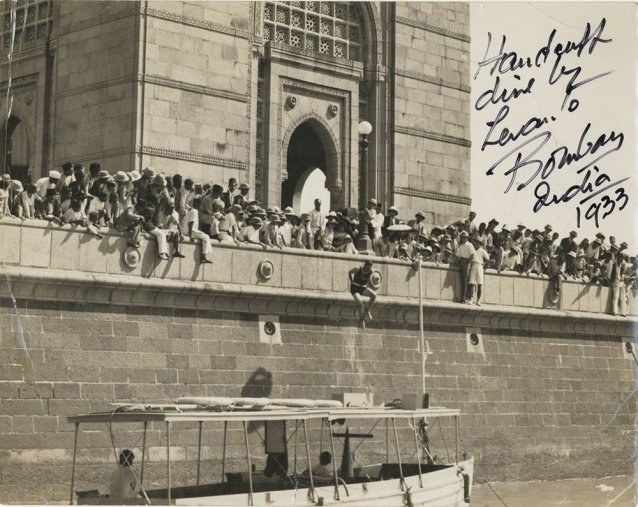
489, 485
21, 343
423, 437
369, 431
447, 450
294, 433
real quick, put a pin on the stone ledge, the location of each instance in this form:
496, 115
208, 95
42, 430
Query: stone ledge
34, 250
73, 286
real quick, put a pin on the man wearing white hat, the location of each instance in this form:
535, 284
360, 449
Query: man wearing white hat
44, 184
241, 198
304, 238
421, 226
391, 218
20, 203
250, 233
285, 230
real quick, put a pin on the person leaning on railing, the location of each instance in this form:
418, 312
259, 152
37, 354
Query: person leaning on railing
98, 200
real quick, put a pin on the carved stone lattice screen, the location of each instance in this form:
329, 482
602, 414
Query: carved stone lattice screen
32, 22
259, 145
327, 28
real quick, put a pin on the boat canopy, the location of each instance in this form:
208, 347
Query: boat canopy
187, 413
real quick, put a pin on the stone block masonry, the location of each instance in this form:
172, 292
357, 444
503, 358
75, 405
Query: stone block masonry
538, 405
545, 393
431, 104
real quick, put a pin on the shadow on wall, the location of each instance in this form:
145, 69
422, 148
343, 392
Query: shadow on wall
258, 385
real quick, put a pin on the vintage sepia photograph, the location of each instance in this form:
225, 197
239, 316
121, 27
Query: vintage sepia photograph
308, 253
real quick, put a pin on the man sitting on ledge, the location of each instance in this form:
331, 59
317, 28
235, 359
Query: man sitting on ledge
359, 280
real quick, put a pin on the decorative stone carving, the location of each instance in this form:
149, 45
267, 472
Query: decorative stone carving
291, 102
265, 270
333, 109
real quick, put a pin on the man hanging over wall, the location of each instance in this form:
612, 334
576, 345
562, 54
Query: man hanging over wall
359, 286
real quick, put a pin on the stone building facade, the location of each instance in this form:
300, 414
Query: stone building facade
260, 91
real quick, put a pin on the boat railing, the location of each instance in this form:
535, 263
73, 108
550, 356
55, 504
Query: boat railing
246, 483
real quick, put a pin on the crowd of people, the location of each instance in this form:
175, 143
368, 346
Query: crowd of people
172, 208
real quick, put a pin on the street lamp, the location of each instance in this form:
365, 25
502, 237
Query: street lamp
365, 129
364, 244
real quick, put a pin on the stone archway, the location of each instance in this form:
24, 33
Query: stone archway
309, 145
15, 149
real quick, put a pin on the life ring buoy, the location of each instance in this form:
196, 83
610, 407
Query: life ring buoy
375, 280
131, 257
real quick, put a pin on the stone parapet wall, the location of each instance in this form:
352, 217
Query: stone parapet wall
31, 248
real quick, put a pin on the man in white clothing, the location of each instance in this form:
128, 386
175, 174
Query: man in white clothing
317, 219
44, 184
464, 253
190, 225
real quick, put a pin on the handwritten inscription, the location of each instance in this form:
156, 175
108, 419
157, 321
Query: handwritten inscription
525, 152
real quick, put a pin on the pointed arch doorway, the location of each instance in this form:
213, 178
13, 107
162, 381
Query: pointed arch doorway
311, 166
15, 149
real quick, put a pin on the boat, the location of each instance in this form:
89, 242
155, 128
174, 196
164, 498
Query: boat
396, 481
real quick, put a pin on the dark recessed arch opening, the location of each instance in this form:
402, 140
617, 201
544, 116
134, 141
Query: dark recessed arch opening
305, 151
14, 149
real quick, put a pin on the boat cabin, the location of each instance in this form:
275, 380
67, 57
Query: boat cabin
408, 474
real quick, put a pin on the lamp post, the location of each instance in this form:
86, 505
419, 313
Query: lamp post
365, 129
364, 244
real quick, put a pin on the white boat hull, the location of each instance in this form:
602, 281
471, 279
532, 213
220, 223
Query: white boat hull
441, 488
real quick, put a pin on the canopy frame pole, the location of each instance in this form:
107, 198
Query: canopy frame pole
312, 483
423, 352
418, 451
168, 460
387, 441
296, 432
334, 462
199, 450
75, 449
321, 438
250, 468
396, 440
456, 438
143, 453
224, 452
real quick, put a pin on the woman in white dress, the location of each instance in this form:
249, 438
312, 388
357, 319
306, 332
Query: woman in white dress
476, 274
